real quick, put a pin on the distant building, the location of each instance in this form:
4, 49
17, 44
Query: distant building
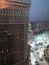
29, 26
30, 33
38, 26
14, 49
33, 25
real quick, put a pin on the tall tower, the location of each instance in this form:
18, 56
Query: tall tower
14, 49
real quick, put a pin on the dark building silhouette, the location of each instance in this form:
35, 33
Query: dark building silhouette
39, 26
14, 49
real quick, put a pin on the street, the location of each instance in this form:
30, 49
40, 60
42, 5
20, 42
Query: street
38, 45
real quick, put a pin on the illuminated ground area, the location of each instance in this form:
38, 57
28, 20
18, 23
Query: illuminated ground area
37, 48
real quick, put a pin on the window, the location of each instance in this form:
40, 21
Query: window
17, 0
26, 12
24, 1
0, 11
19, 12
18, 18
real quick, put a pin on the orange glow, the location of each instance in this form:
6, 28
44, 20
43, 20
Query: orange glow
3, 4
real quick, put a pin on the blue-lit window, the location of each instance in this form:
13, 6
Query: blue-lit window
18, 12
26, 12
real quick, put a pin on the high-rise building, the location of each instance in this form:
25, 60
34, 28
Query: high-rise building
14, 49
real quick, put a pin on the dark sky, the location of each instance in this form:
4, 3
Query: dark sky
39, 10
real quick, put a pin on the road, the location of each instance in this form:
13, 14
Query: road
37, 48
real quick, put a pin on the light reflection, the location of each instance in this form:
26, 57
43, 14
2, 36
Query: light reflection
3, 4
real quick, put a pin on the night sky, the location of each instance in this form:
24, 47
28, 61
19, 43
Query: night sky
39, 10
